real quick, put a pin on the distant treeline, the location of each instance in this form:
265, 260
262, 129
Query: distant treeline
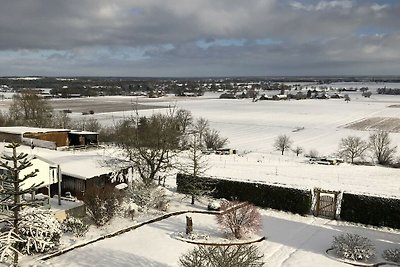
388, 91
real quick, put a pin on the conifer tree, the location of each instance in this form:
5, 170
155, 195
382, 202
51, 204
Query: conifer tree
11, 203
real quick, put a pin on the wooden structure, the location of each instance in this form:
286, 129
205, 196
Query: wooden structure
47, 137
326, 203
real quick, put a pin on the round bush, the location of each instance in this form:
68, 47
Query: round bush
353, 247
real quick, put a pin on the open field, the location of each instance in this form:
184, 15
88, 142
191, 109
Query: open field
377, 124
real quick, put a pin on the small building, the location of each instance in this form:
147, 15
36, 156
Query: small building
82, 138
47, 137
33, 136
280, 97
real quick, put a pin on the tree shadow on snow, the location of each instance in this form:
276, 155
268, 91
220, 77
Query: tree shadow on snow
101, 257
316, 234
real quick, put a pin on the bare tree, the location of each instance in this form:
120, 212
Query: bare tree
282, 143
214, 140
85, 124
352, 147
239, 221
223, 256
195, 164
298, 150
28, 108
149, 144
380, 146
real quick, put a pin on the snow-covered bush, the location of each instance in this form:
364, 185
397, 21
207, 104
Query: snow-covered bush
222, 256
40, 230
75, 226
353, 247
8, 241
239, 218
392, 255
101, 204
148, 197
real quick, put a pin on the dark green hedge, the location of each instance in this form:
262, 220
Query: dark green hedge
371, 210
263, 195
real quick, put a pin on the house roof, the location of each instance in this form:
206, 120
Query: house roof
23, 129
83, 132
81, 164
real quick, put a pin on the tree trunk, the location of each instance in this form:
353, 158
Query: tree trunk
17, 199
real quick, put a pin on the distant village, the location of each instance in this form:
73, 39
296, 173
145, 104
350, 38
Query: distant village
229, 88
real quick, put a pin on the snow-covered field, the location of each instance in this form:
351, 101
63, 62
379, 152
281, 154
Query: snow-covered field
251, 128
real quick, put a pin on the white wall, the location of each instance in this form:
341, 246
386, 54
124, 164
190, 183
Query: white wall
45, 174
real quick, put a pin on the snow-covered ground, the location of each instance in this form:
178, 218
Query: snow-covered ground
251, 128
292, 240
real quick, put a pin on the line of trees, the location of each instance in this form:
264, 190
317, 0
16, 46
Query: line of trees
352, 148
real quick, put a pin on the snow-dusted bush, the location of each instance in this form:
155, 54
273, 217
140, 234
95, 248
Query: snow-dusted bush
101, 204
40, 230
222, 256
239, 221
353, 247
148, 197
392, 255
8, 241
75, 226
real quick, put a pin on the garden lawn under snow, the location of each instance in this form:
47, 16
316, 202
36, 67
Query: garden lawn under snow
292, 240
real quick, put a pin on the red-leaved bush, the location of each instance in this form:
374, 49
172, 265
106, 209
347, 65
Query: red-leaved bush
239, 218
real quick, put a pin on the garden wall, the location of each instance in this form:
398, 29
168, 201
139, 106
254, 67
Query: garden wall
263, 195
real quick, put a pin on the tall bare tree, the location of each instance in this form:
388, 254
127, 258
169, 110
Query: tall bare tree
194, 162
150, 143
29, 109
282, 143
380, 145
352, 147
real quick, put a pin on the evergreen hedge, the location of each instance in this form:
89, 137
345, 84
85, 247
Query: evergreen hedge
371, 210
263, 195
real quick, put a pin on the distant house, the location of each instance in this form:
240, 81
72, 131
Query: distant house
279, 97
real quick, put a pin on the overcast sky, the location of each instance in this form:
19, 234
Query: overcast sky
199, 37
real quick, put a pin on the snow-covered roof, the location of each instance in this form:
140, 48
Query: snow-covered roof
82, 164
24, 129
83, 132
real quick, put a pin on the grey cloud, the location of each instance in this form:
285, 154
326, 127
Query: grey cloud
135, 37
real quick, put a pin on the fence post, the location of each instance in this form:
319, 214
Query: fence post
189, 225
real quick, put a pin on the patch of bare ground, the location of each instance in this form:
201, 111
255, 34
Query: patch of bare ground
376, 123
100, 105
394, 106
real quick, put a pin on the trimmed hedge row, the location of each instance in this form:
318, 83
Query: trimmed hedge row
263, 195
371, 210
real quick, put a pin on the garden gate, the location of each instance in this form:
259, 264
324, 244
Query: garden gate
325, 203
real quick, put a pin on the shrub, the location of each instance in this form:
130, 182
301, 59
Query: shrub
353, 247
75, 226
40, 230
239, 221
371, 210
222, 256
148, 197
392, 255
101, 204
